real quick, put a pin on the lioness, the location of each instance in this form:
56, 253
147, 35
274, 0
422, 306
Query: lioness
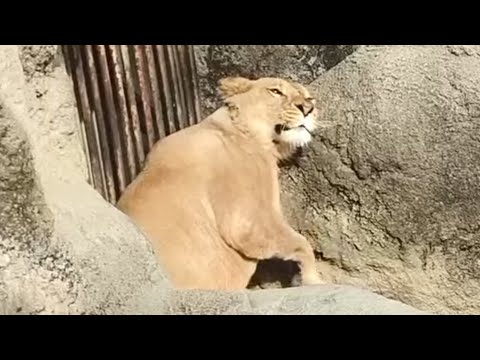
208, 197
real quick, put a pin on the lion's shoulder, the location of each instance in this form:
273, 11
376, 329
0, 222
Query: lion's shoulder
195, 144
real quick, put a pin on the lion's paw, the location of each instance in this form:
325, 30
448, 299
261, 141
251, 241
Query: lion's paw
313, 279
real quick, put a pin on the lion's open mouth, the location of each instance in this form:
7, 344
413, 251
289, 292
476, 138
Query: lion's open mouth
303, 126
282, 127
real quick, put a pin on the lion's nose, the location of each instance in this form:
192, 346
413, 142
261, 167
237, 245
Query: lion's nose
305, 107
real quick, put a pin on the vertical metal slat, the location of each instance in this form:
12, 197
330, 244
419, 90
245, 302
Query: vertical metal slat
155, 91
90, 126
146, 104
129, 97
94, 95
130, 87
118, 147
119, 95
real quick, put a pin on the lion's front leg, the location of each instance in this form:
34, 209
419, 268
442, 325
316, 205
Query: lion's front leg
298, 249
277, 239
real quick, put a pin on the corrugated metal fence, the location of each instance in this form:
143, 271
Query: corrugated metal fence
128, 97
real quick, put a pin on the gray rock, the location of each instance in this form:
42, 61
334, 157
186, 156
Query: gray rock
314, 300
390, 194
297, 62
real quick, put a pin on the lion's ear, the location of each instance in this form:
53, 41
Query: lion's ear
231, 86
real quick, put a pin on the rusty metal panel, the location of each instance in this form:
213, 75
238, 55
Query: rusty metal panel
128, 97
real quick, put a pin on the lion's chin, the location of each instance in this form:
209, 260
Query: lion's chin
300, 135
296, 137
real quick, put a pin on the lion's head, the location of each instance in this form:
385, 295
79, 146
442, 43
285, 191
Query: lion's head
275, 109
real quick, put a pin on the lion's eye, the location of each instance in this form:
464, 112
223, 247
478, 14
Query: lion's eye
276, 91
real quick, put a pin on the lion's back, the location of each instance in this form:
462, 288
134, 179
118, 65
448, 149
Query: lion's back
199, 185
175, 184
191, 146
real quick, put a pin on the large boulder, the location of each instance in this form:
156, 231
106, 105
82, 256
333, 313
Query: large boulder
390, 196
315, 300
63, 249
24, 225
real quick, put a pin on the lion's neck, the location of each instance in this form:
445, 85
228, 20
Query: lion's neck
249, 124
228, 121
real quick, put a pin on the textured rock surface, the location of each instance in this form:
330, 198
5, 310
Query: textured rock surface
315, 300
389, 193
63, 249
390, 196
297, 62
24, 223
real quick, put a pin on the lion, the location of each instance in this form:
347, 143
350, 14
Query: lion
208, 196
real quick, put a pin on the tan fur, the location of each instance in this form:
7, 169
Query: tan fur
208, 197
